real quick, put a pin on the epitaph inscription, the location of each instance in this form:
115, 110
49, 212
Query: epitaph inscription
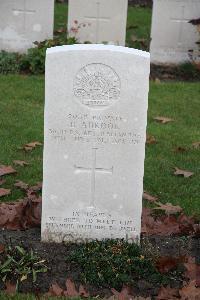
97, 85
82, 222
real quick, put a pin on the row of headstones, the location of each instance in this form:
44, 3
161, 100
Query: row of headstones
99, 21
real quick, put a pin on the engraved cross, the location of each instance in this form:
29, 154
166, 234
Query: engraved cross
93, 170
98, 19
180, 21
24, 11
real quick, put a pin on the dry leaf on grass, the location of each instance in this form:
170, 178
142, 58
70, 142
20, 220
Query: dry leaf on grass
20, 163
163, 120
166, 293
149, 197
60, 30
22, 214
4, 192
190, 292
37, 187
30, 146
184, 173
6, 170
169, 208
21, 185
150, 139
196, 145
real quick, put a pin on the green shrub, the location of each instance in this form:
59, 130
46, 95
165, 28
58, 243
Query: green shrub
34, 61
189, 71
112, 263
9, 62
17, 264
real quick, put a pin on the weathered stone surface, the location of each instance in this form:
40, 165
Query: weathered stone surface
102, 21
22, 22
95, 132
172, 35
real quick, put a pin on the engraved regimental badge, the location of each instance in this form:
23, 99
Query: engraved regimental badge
97, 85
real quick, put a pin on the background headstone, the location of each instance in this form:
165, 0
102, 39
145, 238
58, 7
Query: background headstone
172, 35
98, 21
95, 132
23, 22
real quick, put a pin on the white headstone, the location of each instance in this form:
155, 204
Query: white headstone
172, 35
98, 21
95, 129
23, 22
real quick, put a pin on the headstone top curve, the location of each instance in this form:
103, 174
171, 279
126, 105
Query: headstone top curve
97, 47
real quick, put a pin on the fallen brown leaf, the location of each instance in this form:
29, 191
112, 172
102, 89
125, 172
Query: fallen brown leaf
55, 290
168, 208
166, 263
150, 139
21, 185
192, 269
20, 163
163, 120
71, 289
125, 294
190, 291
167, 293
184, 173
4, 192
22, 214
6, 170
33, 144
166, 225
10, 288
149, 197
196, 145
37, 187
30, 146
60, 30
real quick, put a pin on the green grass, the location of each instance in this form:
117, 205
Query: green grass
22, 101
61, 11
179, 101
138, 24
